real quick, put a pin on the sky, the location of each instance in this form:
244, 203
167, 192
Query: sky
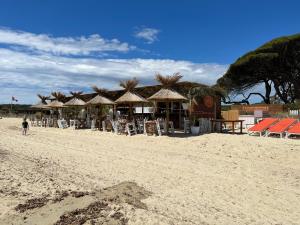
69, 45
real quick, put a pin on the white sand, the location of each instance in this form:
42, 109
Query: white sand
209, 179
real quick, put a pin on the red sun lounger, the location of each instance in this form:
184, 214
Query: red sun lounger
262, 126
294, 130
281, 127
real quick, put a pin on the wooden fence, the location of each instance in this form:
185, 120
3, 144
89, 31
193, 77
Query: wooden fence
266, 108
230, 115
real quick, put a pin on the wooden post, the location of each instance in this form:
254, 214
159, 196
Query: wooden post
100, 116
114, 111
180, 119
167, 117
130, 112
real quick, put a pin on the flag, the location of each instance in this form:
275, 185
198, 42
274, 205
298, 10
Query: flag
14, 99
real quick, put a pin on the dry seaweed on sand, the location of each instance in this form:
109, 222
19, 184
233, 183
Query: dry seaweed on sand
97, 213
32, 204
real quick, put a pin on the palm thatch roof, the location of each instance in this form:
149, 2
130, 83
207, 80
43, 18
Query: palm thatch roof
55, 104
182, 88
168, 81
58, 96
130, 98
75, 102
165, 94
100, 100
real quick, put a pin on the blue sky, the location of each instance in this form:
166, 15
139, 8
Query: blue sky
70, 45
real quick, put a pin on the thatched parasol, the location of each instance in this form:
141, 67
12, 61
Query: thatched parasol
75, 102
166, 94
99, 100
129, 97
55, 104
40, 105
58, 102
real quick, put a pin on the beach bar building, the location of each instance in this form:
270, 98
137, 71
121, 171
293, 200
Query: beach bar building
206, 107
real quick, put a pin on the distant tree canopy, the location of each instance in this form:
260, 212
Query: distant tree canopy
276, 65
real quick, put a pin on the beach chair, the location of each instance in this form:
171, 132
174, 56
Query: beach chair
281, 127
171, 127
131, 129
115, 126
93, 124
294, 130
262, 126
187, 126
74, 124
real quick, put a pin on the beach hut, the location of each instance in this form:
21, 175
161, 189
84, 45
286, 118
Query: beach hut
130, 98
167, 95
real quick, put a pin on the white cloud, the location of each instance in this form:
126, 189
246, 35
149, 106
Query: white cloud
62, 45
148, 34
24, 75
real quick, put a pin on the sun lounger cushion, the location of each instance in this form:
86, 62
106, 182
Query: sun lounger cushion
263, 125
282, 125
295, 129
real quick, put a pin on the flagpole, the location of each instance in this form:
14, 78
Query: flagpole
11, 103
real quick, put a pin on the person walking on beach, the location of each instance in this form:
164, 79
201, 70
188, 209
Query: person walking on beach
25, 127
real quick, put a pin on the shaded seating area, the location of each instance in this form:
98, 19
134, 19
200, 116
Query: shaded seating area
123, 111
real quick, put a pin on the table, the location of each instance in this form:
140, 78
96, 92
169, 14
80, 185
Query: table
221, 121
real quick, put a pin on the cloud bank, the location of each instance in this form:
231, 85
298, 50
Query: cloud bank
62, 45
24, 74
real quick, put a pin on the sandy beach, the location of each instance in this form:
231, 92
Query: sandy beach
54, 175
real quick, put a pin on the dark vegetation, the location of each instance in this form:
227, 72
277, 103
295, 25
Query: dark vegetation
276, 65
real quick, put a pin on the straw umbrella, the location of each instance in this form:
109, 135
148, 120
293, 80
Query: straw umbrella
167, 94
57, 104
129, 97
100, 100
75, 102
58, 101
42, 104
